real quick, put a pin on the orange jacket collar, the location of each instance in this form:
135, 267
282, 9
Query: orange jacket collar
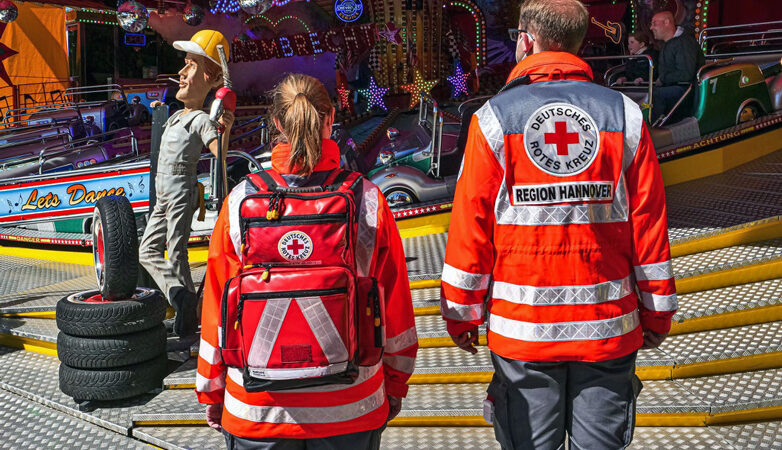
329, 158
550, 66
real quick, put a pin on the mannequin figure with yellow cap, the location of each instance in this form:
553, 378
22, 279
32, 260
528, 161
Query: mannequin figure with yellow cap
185, 134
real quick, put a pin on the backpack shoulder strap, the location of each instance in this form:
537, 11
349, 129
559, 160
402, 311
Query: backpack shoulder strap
268, 180
336, 180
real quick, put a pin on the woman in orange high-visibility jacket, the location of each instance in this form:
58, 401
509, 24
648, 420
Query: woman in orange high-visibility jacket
335, 416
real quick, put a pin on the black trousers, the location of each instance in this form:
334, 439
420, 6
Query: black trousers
537, 403
369, 440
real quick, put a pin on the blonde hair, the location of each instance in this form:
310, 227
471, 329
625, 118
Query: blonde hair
558, 25
300, 105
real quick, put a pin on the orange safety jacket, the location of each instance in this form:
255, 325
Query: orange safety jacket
319, 411
558, 217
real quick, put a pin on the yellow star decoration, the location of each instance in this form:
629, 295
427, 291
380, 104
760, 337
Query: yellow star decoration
417, 86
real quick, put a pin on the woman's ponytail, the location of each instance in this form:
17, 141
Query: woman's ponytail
301, 105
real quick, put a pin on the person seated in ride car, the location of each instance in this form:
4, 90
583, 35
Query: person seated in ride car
679, 61
637, 70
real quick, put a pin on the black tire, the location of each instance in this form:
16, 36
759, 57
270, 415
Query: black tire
113, 384
142, 311
113, 351
115, 247
402, 191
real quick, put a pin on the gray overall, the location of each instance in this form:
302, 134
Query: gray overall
184, 136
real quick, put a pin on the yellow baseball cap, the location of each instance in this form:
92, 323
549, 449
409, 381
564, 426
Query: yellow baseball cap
205, 43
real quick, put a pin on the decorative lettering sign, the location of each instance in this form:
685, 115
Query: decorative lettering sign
71, 196
356, 39
348, 10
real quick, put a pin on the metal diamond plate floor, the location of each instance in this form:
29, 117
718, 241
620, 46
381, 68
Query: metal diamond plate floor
745, 194
34, 377
25, 424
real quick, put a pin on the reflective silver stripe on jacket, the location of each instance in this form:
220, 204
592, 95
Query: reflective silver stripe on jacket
465, 280
492, 131
304, 414
364, 373
566, 214
457, 311
655, 302
563, 295
634, 121
209, 353
564, 331
654, 272
401, 363
235, 198
402, 340
204, 384
367, 228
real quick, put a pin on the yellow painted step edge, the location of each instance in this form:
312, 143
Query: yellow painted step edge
28, 344
752, 273
32, 314
760, 230
730, 319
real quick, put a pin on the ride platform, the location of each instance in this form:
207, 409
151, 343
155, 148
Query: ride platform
715, 383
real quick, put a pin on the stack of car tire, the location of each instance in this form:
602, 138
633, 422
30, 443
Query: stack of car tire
112, 341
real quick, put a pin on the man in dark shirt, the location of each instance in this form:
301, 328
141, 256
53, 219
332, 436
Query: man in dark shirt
678, 63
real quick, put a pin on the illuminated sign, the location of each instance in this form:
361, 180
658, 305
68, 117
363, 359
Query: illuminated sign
354, 38
348, 10
70, 196
135, 39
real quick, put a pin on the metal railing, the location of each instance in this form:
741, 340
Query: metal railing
727, 34
629, 57
74, 146
75, 94
435, 148
213, 166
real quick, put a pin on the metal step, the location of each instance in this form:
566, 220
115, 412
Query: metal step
727, 258
28, 424
750, 192
425, 255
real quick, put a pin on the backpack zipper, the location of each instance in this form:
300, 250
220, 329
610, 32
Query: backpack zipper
282, 294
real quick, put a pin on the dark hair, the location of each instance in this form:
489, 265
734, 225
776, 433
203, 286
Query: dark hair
641, 37
555, 24
300, 104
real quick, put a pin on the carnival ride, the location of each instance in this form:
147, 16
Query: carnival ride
715, 383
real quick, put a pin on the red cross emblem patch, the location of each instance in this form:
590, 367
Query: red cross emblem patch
295, 246
561, 139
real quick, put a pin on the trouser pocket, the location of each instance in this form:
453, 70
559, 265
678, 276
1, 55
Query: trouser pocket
637, 386
498, 394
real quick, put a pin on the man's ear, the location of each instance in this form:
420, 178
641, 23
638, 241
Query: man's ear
526, 42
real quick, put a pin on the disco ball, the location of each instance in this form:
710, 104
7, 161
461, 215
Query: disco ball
255, 7
8, 11
193, 15
132, 16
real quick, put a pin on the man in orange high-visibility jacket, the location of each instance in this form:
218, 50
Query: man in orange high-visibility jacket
559, 226
357, 411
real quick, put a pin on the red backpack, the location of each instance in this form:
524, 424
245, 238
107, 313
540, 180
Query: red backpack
297, 315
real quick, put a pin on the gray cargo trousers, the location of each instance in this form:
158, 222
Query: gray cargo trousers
169, 228
536, 403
